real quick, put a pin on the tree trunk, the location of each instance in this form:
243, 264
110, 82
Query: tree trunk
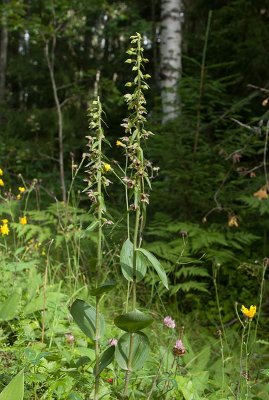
50, 57
170, 48
3, 57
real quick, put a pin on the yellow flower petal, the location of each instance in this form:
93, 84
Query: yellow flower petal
107, 167
1, 172
1, 182
233, 221
119, 143
261, 194
23, 220
249, 313
5, 221
21, 189
4, 229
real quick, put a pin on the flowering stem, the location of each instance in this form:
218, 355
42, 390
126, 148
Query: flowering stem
247, 355
215, 272
127, 200
135, 140
97, 350
223, 364
99, 246
265, 264
241, 361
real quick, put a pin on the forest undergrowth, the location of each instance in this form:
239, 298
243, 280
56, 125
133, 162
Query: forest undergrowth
97, 302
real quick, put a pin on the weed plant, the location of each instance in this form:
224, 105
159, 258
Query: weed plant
83, 316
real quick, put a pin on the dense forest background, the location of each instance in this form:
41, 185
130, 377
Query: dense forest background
210, 194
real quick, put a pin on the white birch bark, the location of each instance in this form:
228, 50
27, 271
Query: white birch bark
3, 55
170, 49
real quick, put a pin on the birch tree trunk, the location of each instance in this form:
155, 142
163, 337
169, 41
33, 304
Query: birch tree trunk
170, 49
3, 56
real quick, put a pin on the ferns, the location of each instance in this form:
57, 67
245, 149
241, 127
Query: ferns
191, 249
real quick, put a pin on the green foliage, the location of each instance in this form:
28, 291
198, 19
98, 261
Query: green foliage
85, 317
140, 351
14, 389
133, 321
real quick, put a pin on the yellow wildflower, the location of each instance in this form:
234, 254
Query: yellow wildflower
107, 167
1, 172
261, 194
21, 189
119, 143
249, 312
18, 196
1, 182
23, 220
233, 221
5, 221
4, 229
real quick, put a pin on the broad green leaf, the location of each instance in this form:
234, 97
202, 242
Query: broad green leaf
133, 321
15, 389
8, 309
92, 226
106, 358
156, 265
139, 354
186, 388
126, 261
37, 304
21, 265
74, 396
85, 317
104, 288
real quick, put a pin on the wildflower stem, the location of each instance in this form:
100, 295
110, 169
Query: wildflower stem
241, 361
128, 372
223, 364
138, 156
127, 200
215, 272
246, 360
99, 246
97, 350
265, 264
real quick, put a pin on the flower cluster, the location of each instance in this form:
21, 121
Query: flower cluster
21, 191
4, 228
96, 167
112, 342
169, 322
140, 169
179, 348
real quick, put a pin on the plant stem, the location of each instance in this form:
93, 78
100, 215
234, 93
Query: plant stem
50, 63
97, 350
215, 272
246, 361
241, 361
137, 203
265, 264
202, 82
99, 250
